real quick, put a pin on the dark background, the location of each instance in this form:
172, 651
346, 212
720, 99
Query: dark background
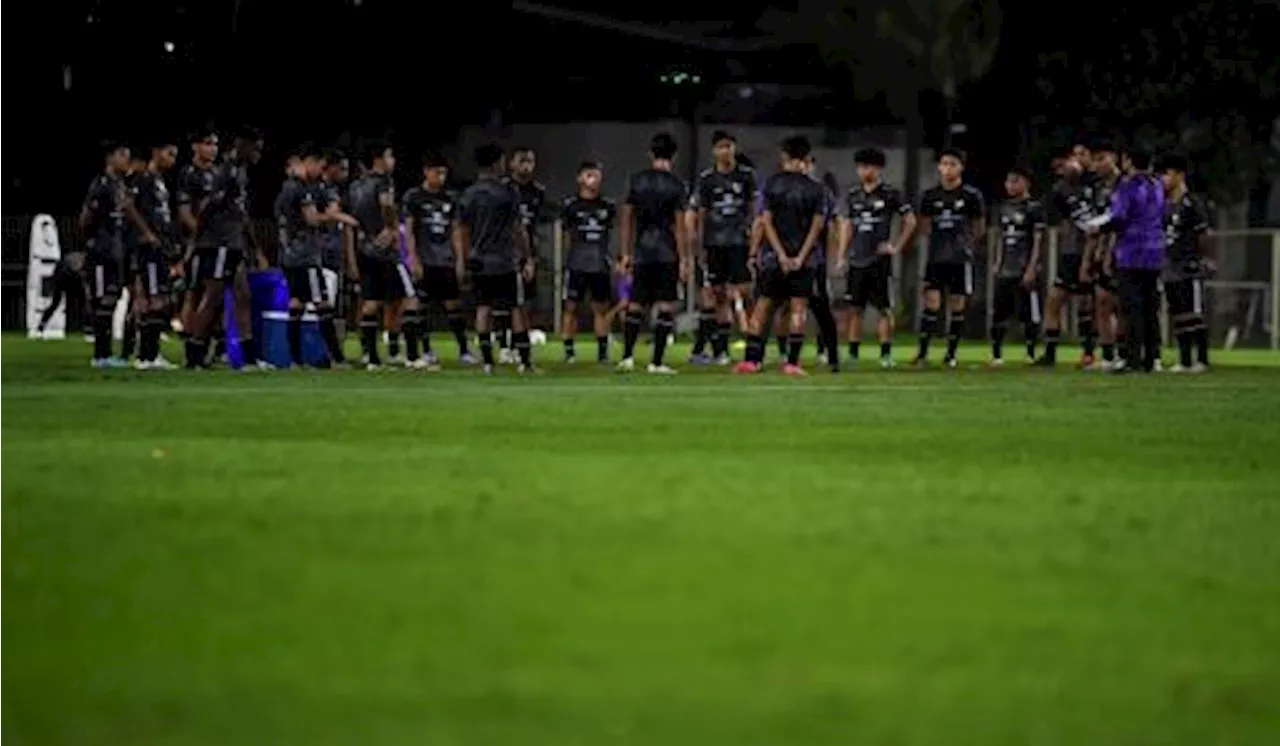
1196, 76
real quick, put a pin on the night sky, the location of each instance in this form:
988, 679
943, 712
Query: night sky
311, 70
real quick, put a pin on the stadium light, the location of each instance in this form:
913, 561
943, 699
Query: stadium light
168, 47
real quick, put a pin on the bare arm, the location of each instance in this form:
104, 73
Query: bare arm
977, 228
682, 237
461, 240
311, 216
906, 232
844, 237
349, 252
410, 235
626, 234
811, 240
1037, 241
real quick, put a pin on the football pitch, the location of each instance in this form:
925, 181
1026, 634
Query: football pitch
582, 558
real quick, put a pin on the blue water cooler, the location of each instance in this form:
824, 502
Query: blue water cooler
271, 322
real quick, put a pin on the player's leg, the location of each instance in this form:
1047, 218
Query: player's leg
327, 313
484, 319
242, 295
516, 287
643, 295
601, 299
133, 316
1059, 295
401, 303
1005, 296
800, 290
299, 282
54, 301
706, 317
373, 289
458, 326
930, 316
104, 284
819, 303
855, 300
573, 291
209, 283
759, 321
1106, 316
1032, 316
958, 293
1200, 332
393, 325
882, 298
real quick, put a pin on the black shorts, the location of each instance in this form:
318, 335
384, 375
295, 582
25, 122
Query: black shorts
726, 265
1069, 275
778, 286
216, 262
870, 286
529, 288
656, 283
578, 286
384, 280
1012, 300
152, 275
951, 278
438, 285
105, 274
306, 284
503, 292
1186, 297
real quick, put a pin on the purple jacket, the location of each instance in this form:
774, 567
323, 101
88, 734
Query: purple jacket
1137, 215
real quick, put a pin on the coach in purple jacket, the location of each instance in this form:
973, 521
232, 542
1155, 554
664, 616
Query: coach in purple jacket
1137, 218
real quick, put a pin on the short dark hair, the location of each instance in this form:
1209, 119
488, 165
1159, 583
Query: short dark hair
1139, 156
796, 146
161, 142
663, 146
311, 150
720, 135
203, 132
332, 156
434, 159
742, 159
1023, 172
1172, 162
1103, 145
488, 155
869, 157
374, 148
956, 153
249, 133
522, 149
111, 146
589, 165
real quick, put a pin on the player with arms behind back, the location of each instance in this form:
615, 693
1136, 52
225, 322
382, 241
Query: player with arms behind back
653, 241
867, 250
952, 216
586, 220
494, 244
1017, 265
1186, 230
792, 222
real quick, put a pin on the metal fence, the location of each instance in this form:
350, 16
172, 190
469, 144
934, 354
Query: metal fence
1242, 303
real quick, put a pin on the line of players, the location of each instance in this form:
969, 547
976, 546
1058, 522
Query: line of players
756, 251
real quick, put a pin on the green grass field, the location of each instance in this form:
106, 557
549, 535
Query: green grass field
913, 558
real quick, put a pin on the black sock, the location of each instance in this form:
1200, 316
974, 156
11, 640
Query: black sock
520, 340
1051, 337
782, 345
602, 349
755, 348
886, 350
928, 327
795, 344
630, 332
721, 345
149, 342
1184, 347
197, 350
1031, 332
220, 346
1109, 353
828, 332
661, 331
102, 334
854, 348
458, 325
393, 343
706, 329
1088, 332
501, 327
329, 332
412, 336
486, 347
295, 336
1201, 337
955, 330
570, 351
997, 342
369, 337
249, 345
130, 344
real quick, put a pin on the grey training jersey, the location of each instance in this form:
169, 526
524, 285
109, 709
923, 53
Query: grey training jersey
299, 242
659, 198
226, 216
433, 214
1072, 206
368, 195
1020, 222
490, 209
588, 224
792, 199
950, 211
727, 198
871, 213
1186, 219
